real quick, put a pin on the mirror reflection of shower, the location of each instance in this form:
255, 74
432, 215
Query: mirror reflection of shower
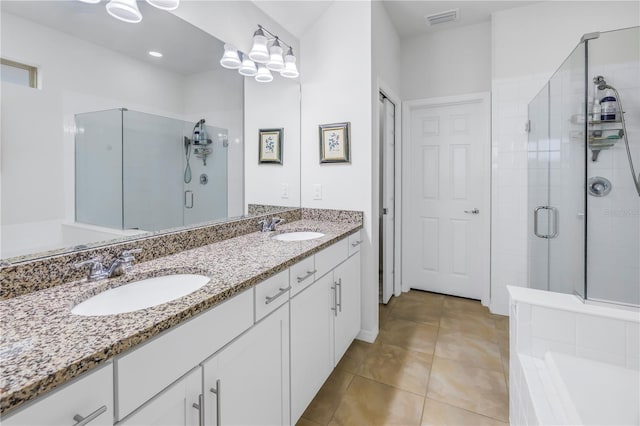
133, 171
609, 109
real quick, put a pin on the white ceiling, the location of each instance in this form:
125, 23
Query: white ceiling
186, 49
408, 16
294, 16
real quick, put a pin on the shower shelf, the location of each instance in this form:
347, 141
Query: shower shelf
579, 119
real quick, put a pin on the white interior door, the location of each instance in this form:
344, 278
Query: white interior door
446, 218
387, 133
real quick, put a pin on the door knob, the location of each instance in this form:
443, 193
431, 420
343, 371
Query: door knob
474, 211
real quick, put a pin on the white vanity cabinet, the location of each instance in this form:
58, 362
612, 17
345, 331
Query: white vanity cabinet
346, 287
247, 382
86, 401
178, 405
325, 318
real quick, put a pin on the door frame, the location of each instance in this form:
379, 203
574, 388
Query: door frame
485, 99
397, 101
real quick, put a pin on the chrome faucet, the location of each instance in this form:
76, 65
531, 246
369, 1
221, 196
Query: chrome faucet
119, 266
270, 224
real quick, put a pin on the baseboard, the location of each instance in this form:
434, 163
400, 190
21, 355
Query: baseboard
368, 336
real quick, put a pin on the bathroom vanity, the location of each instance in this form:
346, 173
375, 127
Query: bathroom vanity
251, 347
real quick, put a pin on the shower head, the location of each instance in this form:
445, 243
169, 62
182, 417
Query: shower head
601, 83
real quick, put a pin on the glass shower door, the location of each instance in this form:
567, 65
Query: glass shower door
538, 158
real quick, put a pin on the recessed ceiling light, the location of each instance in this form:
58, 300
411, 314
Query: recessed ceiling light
155, 54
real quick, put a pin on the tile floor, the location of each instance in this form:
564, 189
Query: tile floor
438, 360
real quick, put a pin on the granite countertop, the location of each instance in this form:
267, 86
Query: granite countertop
43, 345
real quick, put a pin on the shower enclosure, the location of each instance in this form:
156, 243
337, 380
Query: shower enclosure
584, 196
131, 171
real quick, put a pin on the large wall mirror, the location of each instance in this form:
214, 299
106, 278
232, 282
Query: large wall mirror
104, 140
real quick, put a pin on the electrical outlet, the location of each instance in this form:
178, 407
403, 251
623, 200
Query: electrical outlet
317, 191
285, 190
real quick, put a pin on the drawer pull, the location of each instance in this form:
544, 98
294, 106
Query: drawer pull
81, 421
216, 392
200, 407
356, 243
309, 273
282, 291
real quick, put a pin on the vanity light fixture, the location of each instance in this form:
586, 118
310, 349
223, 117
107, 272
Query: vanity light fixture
127, 10
248, 67
231, 58
124, 10
266, 53
263, 75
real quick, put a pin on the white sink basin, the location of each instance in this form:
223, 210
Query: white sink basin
140, 294
298, 236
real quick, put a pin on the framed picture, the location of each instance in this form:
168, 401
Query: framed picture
334, 143
270, 150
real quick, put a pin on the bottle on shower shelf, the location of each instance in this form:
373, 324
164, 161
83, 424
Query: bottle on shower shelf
608, 105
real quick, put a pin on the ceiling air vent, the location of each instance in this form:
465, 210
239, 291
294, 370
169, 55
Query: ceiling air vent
442, 17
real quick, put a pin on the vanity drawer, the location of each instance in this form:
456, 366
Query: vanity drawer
355, 241
272, 293
145, 371
330, 257
302, 274
89, 396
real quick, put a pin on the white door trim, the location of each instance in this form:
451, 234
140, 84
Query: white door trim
393, 97
480, 97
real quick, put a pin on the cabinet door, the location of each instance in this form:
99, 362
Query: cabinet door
89, 397
311, 343
247, 383
172, 407
346, 277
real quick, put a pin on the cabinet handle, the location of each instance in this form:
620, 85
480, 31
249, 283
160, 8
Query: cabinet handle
81, 421
335, 299
356, 243
339, 285
309, 273
282, 291
216, 392
200, 407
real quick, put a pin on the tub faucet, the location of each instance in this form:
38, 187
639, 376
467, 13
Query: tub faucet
270, 224
119, 266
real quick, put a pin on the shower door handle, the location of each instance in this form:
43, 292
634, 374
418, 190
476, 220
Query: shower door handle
554, 216
188, 199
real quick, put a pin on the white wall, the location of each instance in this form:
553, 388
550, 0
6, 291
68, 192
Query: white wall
524, 55
272, 105
450, 62
336, 87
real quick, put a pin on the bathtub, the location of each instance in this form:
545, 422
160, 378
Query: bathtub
593, 392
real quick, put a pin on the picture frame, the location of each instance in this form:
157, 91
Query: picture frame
270, 146
335, 143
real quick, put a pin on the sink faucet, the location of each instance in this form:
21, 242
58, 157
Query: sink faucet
119, 266
270, 224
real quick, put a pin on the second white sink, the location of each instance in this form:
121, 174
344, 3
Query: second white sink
140, 294
298, 236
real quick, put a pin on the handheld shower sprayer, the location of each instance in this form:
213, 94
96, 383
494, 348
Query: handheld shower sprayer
601, 84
